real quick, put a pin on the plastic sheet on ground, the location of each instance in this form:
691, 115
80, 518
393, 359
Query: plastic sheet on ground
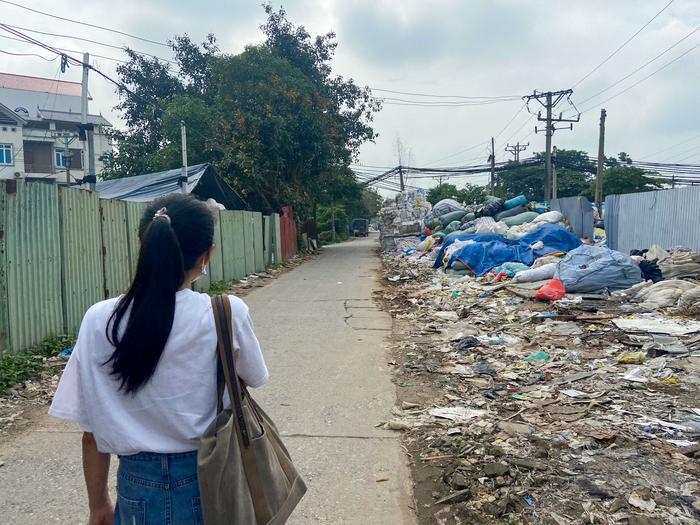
658, 325
596, 269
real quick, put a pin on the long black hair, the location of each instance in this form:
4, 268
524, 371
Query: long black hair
175, 231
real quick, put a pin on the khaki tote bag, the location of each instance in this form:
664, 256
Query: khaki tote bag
246, 476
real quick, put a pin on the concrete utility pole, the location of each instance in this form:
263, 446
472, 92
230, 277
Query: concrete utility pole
515, 150
492, 158
554, 172
183, 138
401, 177
552, 99
599, 171
86, 134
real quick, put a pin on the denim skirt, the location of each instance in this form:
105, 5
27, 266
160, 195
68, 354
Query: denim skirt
158, 489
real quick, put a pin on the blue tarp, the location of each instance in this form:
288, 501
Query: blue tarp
596, 269
490, 250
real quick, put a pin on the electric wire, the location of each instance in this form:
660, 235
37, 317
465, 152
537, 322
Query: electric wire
599, 104
28, 55
46, 33
123, 33
623, 45
649, 62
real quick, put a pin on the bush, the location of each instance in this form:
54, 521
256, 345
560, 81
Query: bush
17, 367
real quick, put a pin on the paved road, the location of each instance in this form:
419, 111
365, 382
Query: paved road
323, 339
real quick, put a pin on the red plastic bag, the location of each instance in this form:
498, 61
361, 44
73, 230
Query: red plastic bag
552, 291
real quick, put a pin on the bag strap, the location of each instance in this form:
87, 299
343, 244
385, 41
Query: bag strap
221, 307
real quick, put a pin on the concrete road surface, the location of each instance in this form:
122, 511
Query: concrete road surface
323, 340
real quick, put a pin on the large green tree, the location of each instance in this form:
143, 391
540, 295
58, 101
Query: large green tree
469, 194
273, 120
574, 174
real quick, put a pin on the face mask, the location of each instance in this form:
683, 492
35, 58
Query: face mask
204, 272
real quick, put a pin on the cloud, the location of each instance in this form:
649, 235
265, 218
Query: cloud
472, 48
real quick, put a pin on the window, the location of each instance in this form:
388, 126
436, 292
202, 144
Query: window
76, 159
60, 158
6, 157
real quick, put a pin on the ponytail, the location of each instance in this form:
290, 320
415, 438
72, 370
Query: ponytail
173, 237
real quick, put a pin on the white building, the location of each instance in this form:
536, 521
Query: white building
37, 117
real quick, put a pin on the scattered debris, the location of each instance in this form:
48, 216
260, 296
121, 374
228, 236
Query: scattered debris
578, 410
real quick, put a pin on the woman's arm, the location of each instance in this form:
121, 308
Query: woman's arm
96, 471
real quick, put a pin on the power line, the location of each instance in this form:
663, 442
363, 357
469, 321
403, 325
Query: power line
598, 104
508, 97
59, 35
674, 145
86, 24
642, 66
28, 55
69, 50
397, 102
623, 45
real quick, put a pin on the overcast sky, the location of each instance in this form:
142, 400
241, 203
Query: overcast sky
472, 48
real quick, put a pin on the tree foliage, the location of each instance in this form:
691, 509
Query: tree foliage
273, 120
469, 194
576, 176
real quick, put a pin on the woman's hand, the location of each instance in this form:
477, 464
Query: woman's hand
102, 516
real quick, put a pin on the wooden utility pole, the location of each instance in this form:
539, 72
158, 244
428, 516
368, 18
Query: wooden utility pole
599, 171
183, 139
515, 150
492, 184
552, 99
401, 177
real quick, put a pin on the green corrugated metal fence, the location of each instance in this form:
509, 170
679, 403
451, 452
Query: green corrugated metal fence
277, 237
258, 244
63, 249
267, 238
134, 212
32, 263
249, 241
115, 248
81, 249
216, 265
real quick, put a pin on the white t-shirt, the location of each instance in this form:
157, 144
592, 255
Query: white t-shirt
173, 409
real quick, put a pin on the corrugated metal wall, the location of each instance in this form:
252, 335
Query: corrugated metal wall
62, 250
258, 243
249, 241
4, 302
32, 263
277, 238
667, 218
579, 212
134, 213
115, 248
288, 233
81, 247
267, 239
232, 246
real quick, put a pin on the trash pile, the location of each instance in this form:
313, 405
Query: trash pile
542, 380
402, 217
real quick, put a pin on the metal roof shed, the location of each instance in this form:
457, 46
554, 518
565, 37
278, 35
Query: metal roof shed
202, 181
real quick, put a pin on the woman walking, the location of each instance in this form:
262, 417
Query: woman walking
142, 379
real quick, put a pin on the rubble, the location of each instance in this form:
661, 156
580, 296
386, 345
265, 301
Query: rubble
581, 410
